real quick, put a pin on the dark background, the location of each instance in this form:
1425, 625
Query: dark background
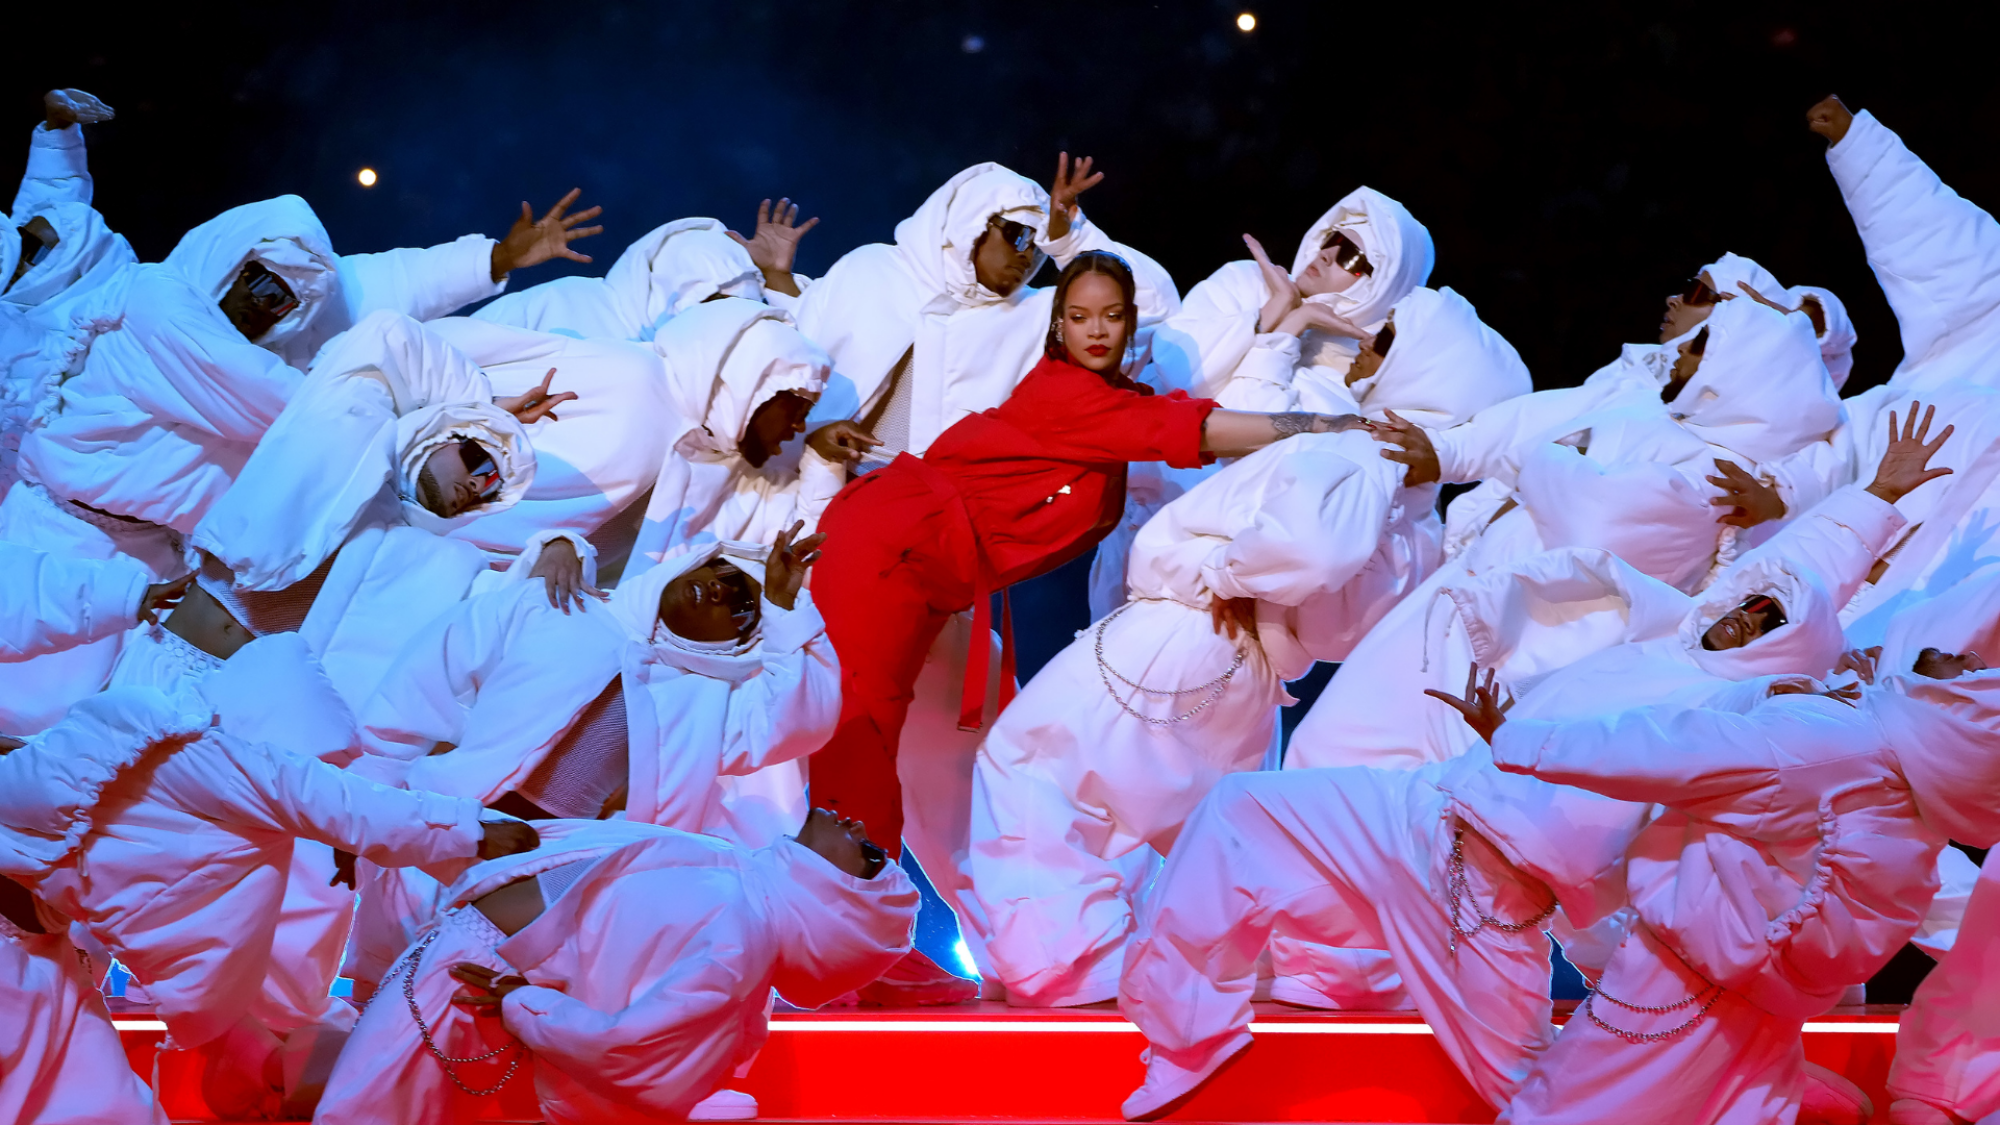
1574, 165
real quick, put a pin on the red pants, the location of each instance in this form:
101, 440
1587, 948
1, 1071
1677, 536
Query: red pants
896, 565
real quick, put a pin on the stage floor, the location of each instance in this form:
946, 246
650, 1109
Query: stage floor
990, 1063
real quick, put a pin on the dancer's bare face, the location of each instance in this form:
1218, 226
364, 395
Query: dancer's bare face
1095, 322
713, 602
1939, 665
1683, 314
843, 843
772, 424
999, 263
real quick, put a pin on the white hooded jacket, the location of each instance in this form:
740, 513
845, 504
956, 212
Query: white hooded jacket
972, 346
724, 359
165, 825
503, 677
335, 291
377, 404
672, 268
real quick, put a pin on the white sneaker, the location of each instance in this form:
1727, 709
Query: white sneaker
1168, 1086
725, 1105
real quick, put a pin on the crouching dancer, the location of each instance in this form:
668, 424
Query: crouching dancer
634, 963
164, 826
1796, 856
1452, 868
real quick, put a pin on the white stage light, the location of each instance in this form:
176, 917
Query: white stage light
366, 177
1246, 21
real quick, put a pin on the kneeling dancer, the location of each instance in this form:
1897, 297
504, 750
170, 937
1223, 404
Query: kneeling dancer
633, 962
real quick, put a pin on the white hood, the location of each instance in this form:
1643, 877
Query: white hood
636, 606
835, 932
1445, 364
380, 397
283, 234
85, 246
1762, 390
1726, 271
1964, 618
724, 359
1807, 644
1947, 735
1396, 244
1836, 344
935, 244
675, 267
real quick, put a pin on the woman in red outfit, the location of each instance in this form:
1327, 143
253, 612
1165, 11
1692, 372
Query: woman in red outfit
999, 498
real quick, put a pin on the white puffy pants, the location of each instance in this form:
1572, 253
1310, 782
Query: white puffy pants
386, 1076
1739, 1065
1350, 857
1948, 1049
60, 1059
1071, 794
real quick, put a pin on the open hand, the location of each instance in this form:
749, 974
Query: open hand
1848, 695
74, 107
1830, 119
1411, 446
533, 241
1749, 501
507, 837
1902, 468
1312, 314
776, 243
492, 987
1860, 661
842, 442
163, 596
1284, 292
561, 569
1482, 708
536, 404
1069, 183
785, 571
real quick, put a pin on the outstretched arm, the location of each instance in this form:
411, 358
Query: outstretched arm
58, 166
1936, 255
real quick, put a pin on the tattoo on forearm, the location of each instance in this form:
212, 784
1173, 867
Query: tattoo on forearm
1295, 423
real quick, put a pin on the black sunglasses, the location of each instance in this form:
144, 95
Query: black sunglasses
1384, 338
743, 595
1347, 255
875, 858
479, 464
268, 290
1698, 294
1020, 236
34, 251
1766, 609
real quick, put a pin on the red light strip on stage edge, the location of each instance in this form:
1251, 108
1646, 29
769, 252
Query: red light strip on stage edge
1087, 1026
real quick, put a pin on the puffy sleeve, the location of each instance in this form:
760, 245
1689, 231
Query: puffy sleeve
202, 372
1080, 418
58, 171
424, 284
232, 781
1762, 773
790, 708
49, 603
499, 678
1936, 255
1839, 539
677, 1039
1199, 347
1491, 444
